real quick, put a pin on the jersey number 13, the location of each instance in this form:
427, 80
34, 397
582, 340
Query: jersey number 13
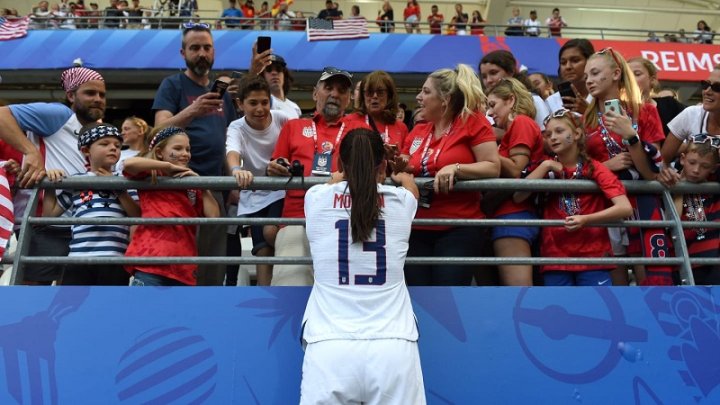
378, 246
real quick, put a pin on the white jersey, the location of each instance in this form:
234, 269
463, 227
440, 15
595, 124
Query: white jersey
359, 290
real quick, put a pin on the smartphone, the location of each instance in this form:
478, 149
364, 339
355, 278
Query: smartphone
219, 87
236, 75
565, 89
613, 105
263, 44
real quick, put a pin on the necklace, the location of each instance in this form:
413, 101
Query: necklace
612, 147
695, 211
569, 202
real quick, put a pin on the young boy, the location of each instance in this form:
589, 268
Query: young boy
100, 143
699, 161
252, 139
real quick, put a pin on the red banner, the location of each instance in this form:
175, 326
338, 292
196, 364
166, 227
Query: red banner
675, 61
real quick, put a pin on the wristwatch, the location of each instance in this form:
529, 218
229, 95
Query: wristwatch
631, 141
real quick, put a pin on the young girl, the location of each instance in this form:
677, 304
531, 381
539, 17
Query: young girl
627, 142
511, 107
566, 140
135, 134
699, 161
168, 155
359, 307
100, 144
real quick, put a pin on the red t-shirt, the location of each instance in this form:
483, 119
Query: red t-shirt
395, 132
455, 147
649, 129
166, 240
296, 142
523, 131
435, 21
588, 241
411, 10
703, 242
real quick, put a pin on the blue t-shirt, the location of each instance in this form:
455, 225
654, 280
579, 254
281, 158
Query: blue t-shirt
42, 119
232, 12
207, 133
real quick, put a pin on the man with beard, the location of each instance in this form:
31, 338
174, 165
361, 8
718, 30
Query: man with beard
274, 69
184, 100
314, 143
53, 128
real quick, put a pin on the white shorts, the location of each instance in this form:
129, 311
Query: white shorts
292, 241
619, 240
370, 371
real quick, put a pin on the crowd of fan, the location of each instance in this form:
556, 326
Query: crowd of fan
279, 16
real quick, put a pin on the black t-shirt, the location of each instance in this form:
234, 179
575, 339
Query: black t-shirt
331, 14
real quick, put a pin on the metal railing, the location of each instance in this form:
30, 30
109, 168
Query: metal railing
158, 20
673, 223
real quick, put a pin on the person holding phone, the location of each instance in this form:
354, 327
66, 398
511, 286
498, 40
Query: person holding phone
627, 141
573, 94
185, 100
274, 69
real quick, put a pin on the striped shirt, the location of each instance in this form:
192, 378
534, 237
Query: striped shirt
96, 240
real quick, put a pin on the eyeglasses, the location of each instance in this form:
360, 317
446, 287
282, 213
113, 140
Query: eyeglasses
714, 86
196, 26
559, 114
612, 53
703, 138
379, 92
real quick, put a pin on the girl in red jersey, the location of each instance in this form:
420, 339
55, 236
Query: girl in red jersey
699, 161
511, 107
566, 140
168, 155
625, 135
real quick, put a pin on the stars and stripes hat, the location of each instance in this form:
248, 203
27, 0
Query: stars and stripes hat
164, 134
75, 77
89, 136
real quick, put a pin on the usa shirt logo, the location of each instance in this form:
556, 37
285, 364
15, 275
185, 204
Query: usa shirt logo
307, 132
415, 145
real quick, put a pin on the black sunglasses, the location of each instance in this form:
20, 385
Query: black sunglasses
703, 138
714, 86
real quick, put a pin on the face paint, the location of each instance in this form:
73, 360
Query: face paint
569, 139
173, 157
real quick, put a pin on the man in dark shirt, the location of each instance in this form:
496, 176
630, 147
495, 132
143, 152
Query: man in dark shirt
330, 12
184, 100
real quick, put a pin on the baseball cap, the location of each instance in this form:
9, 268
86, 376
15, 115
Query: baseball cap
277, 59
330, 71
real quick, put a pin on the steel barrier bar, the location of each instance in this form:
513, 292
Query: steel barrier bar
24, 236
678, 238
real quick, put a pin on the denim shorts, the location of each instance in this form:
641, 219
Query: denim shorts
528, 233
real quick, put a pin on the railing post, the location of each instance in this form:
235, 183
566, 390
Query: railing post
26, 231
678, 238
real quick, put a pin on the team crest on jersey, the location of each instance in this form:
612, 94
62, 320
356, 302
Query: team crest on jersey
192, 196
415, 145
327, 146
307, 132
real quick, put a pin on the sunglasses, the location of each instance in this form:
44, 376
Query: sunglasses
559, 114
714, 86
372, 92
703, 138
612, 53
194, 26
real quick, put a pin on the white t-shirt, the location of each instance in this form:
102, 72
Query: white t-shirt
124, 154
532, 27
366, 299
691, 121
288, 106
255, 148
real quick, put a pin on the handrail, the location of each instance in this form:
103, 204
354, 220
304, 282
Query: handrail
494, 29
274, 183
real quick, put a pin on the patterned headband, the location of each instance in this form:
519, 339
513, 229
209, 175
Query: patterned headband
93, 134
75, 77
164, 134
